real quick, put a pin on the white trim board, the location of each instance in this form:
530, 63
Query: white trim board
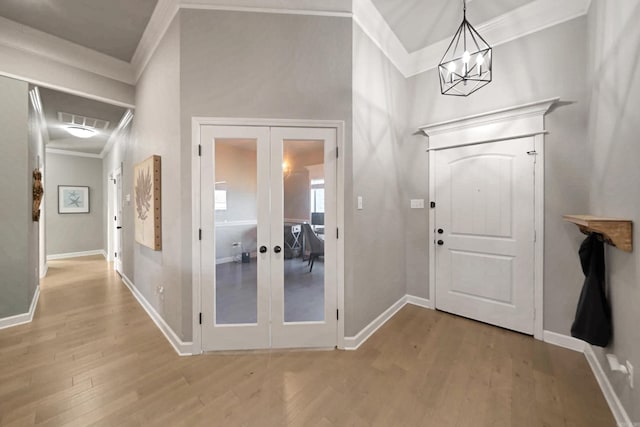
77, 254
571, 343
21, 319
183, 348
353, 343
618, 411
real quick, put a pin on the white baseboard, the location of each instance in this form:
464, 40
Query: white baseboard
352, 343
77, 254
619, 413
181, 347
21, 319
44, 270
420, 302
563, 341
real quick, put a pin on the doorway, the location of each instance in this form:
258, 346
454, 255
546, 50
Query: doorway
489, 144
268, 265
115, 221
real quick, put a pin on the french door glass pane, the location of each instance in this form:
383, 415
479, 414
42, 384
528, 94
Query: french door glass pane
303, 231
235, 220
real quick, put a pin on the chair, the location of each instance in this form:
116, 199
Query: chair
313, 244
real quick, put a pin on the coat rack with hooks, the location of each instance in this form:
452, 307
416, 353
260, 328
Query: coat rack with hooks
616, 232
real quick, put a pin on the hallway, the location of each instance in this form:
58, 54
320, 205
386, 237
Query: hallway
91, 355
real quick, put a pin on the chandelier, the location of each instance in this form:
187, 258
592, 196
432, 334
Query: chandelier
467, 63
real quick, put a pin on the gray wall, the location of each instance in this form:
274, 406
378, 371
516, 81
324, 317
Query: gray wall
18, 233
614, 129
375, 255
68, 233
156, 131
529, 69
241, 64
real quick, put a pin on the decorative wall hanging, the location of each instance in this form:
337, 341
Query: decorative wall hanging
147, 191
468, 62
38, 191
73, 199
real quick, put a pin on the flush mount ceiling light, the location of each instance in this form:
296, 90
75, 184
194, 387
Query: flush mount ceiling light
81, 132
81, 126
467, 64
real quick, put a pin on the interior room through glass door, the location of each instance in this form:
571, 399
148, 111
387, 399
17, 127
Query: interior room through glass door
303, 210
235, 259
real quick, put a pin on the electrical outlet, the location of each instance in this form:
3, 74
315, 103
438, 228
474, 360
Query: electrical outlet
630, 370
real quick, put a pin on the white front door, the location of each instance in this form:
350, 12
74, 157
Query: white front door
484, 240
258, 291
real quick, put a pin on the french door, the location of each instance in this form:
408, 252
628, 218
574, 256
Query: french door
259, 289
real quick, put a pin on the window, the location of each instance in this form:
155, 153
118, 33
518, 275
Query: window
221, 200
317, 195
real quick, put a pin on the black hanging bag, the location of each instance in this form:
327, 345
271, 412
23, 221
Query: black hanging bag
593, 315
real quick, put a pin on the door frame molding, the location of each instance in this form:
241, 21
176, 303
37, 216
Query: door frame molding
111, 205
196, 123
510, 123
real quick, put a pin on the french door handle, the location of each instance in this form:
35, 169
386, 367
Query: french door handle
277, 249
118, 228
263, 249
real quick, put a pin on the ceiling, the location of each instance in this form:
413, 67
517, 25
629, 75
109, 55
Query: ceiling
420, 23
54, 102
112, 27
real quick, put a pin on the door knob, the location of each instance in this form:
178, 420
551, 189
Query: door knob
440, 242
440, 231
277, 249
263, 249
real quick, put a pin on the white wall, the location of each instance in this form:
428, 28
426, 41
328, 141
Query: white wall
68, 233
612, 181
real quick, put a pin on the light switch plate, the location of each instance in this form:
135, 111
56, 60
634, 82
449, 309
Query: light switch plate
359, 202
417, 203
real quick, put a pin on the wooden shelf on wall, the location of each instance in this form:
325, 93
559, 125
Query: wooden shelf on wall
615, 231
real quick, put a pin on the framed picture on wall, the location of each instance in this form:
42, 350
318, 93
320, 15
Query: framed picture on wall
73, 199
147, 192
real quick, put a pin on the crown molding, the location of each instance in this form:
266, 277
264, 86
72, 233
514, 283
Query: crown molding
27, 39
371, 22
158, 25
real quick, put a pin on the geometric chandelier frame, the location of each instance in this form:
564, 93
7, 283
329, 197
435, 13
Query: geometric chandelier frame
467, 65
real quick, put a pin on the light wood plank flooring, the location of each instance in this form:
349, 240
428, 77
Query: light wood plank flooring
93, 357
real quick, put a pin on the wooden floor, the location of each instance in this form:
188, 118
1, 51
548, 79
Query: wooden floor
93, 356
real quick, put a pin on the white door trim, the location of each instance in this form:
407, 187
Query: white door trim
509, 123
196, 123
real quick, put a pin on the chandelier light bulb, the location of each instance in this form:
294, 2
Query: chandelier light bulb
452, 67
480, 60
466, 56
